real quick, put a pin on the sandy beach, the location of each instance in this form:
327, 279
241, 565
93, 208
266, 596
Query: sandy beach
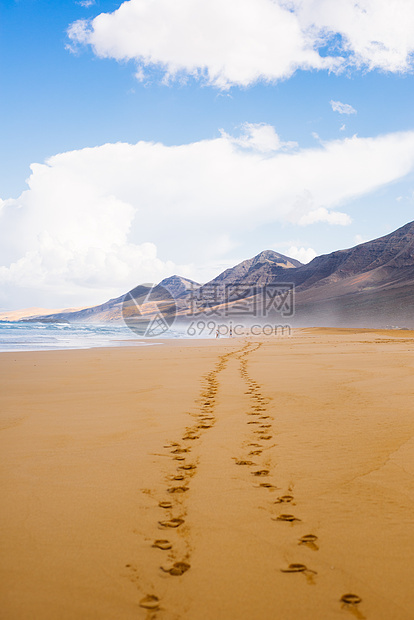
183, 480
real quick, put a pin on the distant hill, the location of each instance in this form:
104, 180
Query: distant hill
111, 311
369, 285
387, 254
17, 315
261, 269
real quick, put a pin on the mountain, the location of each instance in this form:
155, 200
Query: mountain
369, 285
259, 270
390, 253
17, 315
111, 311
108, 312
178, 286
237, 285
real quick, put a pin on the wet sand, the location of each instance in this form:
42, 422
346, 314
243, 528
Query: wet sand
249, 445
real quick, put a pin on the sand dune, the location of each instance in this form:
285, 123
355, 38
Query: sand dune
230, 479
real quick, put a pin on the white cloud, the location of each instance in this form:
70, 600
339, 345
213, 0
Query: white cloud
323, 215
86, 3
342, 127
91, 221
239, 42
140, 74
376, 34
260, 137
342, 108
304, 255
225, 43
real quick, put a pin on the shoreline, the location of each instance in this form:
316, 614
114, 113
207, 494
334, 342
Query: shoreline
143, 341
92, 440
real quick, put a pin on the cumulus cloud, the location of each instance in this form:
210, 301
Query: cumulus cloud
342, 108
374, 34
225, 43
97, 221
260, 137
323, 215
304, 255
239, 42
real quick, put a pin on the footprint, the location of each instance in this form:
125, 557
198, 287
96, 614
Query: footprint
174, 522
267, 485
285, 517
177, 477
177, 569
351, 599
179, 458
284, 499
261, 472
180, 450
188, 467
162, 544
351, 602
301, 568
245, 463
294, 568
265, 437
310, 541
165, 504
150, 602
255, 452
177, 489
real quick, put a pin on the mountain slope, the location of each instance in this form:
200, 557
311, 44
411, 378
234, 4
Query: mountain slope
111, 311
395, 250
259, 270
371, 284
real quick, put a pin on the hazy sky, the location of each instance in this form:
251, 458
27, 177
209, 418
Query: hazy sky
152, 137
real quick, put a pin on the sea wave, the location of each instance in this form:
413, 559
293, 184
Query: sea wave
36, 336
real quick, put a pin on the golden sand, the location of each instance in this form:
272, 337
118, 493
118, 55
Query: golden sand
234, 479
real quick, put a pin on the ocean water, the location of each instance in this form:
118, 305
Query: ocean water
49, 336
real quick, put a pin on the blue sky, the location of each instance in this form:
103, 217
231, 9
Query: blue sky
265, 159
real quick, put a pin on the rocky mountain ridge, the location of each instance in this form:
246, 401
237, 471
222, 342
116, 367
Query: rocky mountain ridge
371, 284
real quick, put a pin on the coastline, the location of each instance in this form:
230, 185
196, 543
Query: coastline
19, 336
88, 450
